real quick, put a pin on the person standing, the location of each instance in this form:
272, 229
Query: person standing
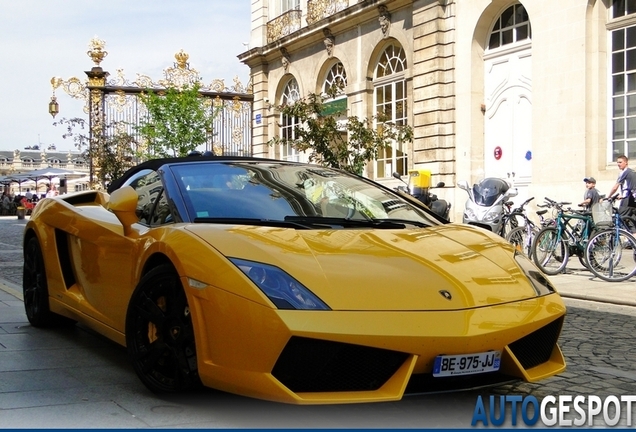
627, 183
591, 195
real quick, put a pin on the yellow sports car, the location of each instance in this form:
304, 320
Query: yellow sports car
288, 282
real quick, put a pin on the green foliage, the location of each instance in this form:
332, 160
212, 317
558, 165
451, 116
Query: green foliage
111, 154
178, 121
335, 140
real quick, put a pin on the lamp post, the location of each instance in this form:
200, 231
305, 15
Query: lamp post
93, 92
54, 107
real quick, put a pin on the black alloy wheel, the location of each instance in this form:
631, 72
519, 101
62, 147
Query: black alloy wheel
35, 289
159, 333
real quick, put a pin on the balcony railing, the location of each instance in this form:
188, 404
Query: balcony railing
319, 9
283, 25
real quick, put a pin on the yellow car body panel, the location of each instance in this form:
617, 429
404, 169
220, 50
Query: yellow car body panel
395, 270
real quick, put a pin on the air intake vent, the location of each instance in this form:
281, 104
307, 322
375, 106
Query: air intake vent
312, 365
536, 348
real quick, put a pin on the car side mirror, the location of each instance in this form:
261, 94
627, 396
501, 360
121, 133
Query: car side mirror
123, 202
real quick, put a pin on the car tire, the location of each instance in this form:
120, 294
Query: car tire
35, 290
160, 335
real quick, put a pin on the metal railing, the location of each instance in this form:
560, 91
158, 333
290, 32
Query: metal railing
283, 25
319, 9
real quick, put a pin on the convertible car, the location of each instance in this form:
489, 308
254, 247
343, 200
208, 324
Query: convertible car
288, 282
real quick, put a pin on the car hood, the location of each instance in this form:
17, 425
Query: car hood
449, 267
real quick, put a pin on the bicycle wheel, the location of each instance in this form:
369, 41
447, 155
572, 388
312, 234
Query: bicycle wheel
549, 252
521, 238
508, 225
610, 255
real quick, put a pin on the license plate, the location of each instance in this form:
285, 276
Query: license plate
453, 365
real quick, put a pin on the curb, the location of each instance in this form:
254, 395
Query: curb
11, 288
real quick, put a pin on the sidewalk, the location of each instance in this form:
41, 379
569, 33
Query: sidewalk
578, 283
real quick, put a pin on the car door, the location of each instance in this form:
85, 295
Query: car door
106, 260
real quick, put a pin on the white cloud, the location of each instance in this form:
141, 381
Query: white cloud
41, 39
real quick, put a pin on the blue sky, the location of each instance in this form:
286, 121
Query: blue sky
40, 39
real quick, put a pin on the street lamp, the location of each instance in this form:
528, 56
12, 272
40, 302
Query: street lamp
54, 107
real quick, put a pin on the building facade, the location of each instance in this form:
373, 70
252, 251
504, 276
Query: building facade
25, 161
537, 92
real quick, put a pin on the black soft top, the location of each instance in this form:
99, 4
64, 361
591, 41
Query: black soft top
155, 164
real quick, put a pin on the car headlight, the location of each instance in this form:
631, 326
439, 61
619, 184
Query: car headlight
282, 289
539, 282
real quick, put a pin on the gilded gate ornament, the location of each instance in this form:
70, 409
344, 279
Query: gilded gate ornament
115, 100
96, 51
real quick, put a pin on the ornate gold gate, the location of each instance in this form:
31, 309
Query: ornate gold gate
115, 100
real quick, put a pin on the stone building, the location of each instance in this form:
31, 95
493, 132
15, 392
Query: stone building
25, 161
539, 92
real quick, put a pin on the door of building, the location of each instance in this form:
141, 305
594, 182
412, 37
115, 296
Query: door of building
508, 117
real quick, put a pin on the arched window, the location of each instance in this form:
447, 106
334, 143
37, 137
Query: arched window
512, 26
288, 124
336, 80
334, 89
390, 102
623, 82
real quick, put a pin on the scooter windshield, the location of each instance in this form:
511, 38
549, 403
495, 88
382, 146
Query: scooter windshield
488, 190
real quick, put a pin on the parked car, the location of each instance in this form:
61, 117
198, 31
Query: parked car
288, 282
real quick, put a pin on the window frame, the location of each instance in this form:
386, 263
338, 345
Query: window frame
395, 78
621, 83
288, 124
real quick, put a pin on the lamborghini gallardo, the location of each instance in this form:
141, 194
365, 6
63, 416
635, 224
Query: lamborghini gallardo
288, 282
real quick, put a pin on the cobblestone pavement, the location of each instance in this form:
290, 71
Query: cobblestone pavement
597, 339
11, 230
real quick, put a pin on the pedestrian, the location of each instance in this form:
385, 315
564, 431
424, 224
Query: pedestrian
51, 191
591, 195
627, 183
6, 204
28, 195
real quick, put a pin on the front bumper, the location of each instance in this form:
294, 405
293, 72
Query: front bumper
310, 357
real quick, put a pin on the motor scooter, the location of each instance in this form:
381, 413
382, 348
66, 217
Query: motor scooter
419, 186
486, 203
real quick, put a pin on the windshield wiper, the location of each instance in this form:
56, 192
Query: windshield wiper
251, 221
402, 221
344, 222
313, 222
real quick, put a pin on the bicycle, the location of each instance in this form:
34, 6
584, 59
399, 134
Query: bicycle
522, 236
553, 245
611, 252
509, 220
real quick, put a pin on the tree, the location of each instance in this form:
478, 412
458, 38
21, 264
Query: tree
336, 141
178, 121
110, 155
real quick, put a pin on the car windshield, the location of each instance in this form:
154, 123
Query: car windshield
291, 193
488, 190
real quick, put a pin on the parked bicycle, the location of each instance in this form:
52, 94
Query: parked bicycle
611, 252
553, 245
523, 235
